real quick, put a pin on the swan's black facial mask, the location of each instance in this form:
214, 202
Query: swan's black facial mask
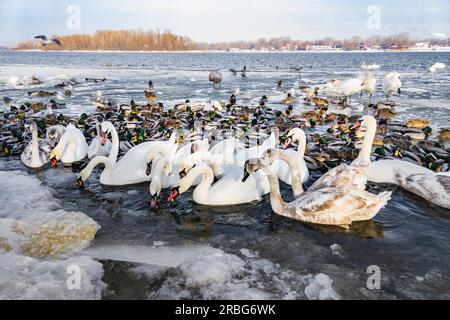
148, 170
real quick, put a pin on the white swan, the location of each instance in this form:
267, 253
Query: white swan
162, 169
71, 147
331, 88
228, 191
349, 87
354, 174
284, 172
437, 66
370, 67
338, 206
37, 152
132, 168
369, 83
220, 170
392, 84
100, 145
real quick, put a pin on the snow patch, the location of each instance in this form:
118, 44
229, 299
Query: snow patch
28, 278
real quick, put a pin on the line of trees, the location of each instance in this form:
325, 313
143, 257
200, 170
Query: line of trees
138, 40
398, 41
121, 40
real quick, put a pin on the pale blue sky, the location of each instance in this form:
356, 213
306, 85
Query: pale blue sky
224, 20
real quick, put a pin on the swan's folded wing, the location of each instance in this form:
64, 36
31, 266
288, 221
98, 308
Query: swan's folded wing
337, 206
429, 186
328, 178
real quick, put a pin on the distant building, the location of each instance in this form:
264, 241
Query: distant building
319, 48
421, 45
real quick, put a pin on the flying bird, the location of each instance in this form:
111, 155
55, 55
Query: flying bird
45, 41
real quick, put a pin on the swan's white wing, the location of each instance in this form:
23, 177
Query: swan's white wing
432, 187
230, 191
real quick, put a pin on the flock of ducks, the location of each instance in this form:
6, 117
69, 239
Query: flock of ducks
233, 154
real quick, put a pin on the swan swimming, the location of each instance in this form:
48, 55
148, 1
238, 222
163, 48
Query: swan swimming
431, 186
72, 147
100, 145
37, 152
298, 136
228, 191
132, 168
437, 66
338, 206
354, 174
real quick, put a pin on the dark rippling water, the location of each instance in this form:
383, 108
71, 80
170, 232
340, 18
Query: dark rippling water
275, 257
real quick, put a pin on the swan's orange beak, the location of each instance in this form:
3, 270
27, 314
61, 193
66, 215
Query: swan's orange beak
54, 162
175, 193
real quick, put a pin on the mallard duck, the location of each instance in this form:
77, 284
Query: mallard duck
417, 123
288, 99
320, 102
386, 113
150, 95
444, 134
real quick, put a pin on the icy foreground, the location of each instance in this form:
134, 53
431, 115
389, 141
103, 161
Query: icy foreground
215, 274
40, 243
32, 226
28, 278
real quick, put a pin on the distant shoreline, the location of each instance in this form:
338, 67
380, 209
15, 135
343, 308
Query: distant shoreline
232, 51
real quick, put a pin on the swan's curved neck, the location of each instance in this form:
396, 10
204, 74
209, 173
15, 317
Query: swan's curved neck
301, 149
114, 153
95, 162
276, 201
202, 189
157, 171
65, 142
34, 144
366, 148
295, 173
